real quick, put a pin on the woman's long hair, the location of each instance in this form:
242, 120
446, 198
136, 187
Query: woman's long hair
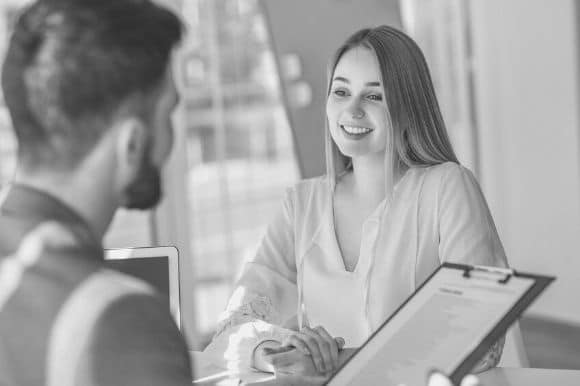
418, 136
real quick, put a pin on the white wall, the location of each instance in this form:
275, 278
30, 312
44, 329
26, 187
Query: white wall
526, 80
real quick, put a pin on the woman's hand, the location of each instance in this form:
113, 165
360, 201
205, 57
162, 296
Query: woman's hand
292, 367
284, 360
319, 345
308, 352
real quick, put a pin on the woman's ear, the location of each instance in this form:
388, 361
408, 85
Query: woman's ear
131, 144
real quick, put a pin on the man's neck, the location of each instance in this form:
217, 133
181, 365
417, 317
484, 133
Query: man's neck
82, 193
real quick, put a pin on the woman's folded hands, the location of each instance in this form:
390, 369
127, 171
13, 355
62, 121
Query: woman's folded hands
312, 355
309, 352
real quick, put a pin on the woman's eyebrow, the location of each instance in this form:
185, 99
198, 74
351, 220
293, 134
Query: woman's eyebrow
340, 78
370, 84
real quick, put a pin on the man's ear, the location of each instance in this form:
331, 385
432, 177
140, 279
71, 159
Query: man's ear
131, 143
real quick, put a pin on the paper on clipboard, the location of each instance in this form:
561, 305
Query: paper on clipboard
444, 325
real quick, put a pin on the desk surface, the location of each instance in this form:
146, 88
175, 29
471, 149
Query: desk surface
508, 376
210, 374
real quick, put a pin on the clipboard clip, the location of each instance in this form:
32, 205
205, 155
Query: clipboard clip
502, 275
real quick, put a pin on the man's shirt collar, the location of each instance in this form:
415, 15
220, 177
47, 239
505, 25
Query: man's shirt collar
34, 204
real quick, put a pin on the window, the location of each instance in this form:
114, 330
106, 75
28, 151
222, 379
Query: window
239, 147
442, 30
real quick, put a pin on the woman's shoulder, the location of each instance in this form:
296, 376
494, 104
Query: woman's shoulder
434, 178
307, 187
309, 197
446, 171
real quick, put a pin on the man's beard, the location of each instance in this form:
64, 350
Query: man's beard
145, 191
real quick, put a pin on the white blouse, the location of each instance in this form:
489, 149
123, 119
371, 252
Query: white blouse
298, 277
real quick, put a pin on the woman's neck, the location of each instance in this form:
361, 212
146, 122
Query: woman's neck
368, 180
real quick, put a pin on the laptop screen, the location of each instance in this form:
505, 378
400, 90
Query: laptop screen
158, 266
154, 270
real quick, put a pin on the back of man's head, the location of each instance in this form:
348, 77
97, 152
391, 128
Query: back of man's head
73, 66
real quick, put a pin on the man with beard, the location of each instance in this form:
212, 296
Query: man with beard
89, 88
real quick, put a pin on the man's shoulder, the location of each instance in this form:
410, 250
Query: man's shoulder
133, 310
121, 331
12, 231
137, 319
100, 292
138, 327
35, 306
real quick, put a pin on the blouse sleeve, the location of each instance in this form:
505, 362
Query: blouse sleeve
468, 235
265, 296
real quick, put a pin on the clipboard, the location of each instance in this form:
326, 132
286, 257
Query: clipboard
448, 323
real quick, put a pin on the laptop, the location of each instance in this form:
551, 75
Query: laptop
158, 266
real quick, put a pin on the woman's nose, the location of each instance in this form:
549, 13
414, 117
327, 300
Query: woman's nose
358, 113
355, 110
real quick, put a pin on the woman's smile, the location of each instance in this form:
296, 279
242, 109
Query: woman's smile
355, 132
356, 110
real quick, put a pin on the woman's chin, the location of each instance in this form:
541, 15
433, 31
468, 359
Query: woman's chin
360, 150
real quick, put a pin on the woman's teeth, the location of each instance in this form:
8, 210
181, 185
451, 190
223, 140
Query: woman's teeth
356, 130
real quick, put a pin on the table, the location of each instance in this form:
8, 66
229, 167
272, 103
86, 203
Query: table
510, 376
207, 373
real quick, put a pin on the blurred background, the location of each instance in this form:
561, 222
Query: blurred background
252, 75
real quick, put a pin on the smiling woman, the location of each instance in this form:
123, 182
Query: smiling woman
356, 111
392, 68
347, 248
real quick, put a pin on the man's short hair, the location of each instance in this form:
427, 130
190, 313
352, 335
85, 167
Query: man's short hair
72, 66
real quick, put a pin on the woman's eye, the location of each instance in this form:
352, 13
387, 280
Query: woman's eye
339, 93
375, 97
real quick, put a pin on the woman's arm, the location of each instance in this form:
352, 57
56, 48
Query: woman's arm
491, 358
468, 234
265, 297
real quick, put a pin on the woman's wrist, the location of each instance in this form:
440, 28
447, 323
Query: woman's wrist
258, 361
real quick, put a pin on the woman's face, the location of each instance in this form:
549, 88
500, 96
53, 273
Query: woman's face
356, 108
